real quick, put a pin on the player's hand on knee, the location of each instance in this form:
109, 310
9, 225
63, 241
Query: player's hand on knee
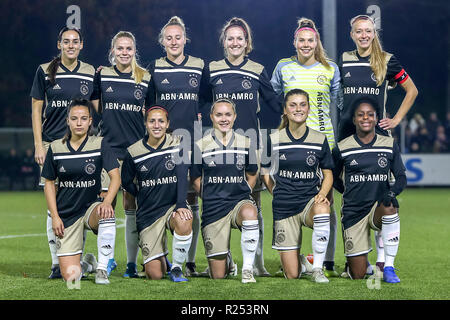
184, 214
58, 227
105, 211
321, 199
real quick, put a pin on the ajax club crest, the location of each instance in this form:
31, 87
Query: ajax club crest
311, 158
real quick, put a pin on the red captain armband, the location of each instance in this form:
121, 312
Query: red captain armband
401, 77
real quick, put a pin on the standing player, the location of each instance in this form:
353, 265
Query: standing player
122, 89
76, 163
245, 82
175, 83
55, 84
224, 172
367, 71
312, 71
299, 176
156, 164
363, 165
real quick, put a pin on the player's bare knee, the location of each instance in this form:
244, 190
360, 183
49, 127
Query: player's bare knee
153, 273
291, 274
181, 227
321, 208
390, 211
357, 273
249, 212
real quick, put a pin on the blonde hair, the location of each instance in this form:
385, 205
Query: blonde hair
377, 56
173, 21
137, 71
319, 53
237, 22
284, 119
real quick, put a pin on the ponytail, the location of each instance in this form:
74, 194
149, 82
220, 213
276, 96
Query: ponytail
53, 68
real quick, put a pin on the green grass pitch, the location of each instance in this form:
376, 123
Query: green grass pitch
423, 260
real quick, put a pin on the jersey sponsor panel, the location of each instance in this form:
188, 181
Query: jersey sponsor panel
365, 170
295, 167
154, 177
177, 87
222, 170
123, 102
57, 95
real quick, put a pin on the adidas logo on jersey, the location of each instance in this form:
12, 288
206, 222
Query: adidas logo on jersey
282, 156
322, 239
144, 168
56, 87
292, 79
219, 81
211, 164
165, 81
353, 163
109, 90
347, 75
62, 169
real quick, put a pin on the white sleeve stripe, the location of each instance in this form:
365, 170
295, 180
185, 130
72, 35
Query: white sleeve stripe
151, 155
364, 151
234, 71
178, 70
297, 146
356, 64
74, 76
222, 152
124, 80
77, 156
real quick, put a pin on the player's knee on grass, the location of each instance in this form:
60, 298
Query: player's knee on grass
290, 272
155, 269
218, 267
357, 266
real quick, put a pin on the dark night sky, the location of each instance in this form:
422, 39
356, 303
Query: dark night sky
416, 31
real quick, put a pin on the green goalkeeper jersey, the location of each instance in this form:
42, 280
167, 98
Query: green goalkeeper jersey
322, 85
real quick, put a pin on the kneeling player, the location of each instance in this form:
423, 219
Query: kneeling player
365, 160
299, 156
76, 161
224, 170
156, 164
